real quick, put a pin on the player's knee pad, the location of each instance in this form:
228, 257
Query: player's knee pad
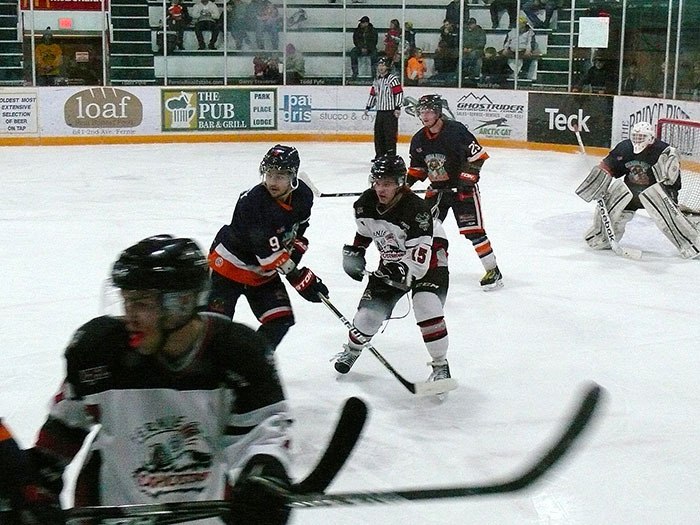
427, 305
368, 320
671, 221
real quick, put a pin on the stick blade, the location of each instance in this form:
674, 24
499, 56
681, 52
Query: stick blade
433, 388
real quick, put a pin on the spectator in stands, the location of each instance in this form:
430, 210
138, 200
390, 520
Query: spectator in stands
236, 23
452, 13
497, 6
494, 68
447, 52
206, 16
271, 72
532, 8
269, 23
409, 38
474, 41
295, 66
178, 20
415, 68
523, 40
632, 81
365, 39
49, 59
600, 77
392, 39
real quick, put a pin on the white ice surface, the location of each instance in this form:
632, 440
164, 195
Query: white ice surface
566, 315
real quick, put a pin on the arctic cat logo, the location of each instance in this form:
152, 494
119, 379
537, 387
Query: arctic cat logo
562, 122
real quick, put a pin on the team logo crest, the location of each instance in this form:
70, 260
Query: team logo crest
424, 219
177, 457
436, 167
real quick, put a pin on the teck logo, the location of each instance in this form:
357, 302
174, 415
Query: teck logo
103, 108
562, 122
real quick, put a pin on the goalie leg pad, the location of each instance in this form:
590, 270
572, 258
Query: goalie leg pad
671, 221
595, 185
617, 198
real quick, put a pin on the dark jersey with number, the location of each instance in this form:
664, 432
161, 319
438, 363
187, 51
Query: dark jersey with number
170, 430
636, 168
261, 234
443, 156
404, 231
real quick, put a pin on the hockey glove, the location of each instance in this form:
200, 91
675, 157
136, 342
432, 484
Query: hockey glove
307, 284
468, 179
299, 247
39, 507
259, 495
396, 273
354, 261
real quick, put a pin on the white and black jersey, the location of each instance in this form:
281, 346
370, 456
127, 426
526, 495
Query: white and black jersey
404, 231
170, 431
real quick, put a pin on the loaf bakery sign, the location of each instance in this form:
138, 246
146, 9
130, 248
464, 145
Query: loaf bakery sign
64, 5
103, 107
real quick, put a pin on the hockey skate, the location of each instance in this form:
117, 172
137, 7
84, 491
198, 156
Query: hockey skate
492, 280
441, 374
345, 359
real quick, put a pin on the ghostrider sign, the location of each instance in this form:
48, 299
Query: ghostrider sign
64, 5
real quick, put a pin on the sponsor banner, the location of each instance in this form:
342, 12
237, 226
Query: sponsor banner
218, 109
329, 109
93, 111
18, 113
553, 117
628, 111
62, 5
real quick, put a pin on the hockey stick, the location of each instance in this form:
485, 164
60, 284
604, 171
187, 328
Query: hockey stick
630, 253
422, 389
345, 436
541, 466
353, 193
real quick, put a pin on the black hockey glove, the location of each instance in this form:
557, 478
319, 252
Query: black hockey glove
354, 261
299, 247
307, 284
395, 273
468, 178
38, 506
258, 497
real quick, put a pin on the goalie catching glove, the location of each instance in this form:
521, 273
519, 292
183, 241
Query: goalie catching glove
258, 497
354, 261
307, 284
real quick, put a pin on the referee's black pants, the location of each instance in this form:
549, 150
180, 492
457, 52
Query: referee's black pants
386, 130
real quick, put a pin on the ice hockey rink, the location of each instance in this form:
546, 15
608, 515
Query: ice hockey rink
522, 355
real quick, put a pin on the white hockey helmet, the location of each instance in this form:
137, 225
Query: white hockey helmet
642, 135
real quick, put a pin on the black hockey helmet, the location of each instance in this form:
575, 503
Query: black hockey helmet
433, 101
387, 61
388, 167
283, 158
161, 262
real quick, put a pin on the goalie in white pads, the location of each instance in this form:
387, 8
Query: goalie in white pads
413, 257
640, 172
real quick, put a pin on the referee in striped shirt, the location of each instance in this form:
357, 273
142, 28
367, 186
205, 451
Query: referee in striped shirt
386, 94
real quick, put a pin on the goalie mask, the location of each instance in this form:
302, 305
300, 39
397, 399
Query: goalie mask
642, 135
282, 159
390, 167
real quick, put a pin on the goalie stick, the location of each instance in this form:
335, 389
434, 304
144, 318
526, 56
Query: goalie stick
346, 434
422, 389
552, 456
629, 253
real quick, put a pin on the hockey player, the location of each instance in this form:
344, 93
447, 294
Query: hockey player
266, 239
190, 408
413, 256
639, 172
447, 154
